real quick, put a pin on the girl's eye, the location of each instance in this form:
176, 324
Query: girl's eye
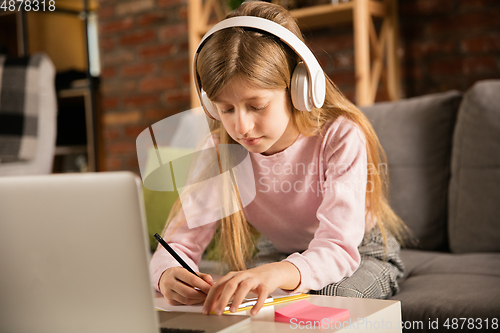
260, 107
252, 107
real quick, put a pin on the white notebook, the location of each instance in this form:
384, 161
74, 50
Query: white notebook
162, 304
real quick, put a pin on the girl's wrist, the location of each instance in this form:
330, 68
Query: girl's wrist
289, 275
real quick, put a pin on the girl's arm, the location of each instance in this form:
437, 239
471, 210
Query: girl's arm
333, 252
188, 243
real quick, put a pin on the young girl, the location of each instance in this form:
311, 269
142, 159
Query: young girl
320, 205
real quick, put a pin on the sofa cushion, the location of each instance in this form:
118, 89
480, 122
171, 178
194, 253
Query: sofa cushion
443, 285
416, 135
474, 209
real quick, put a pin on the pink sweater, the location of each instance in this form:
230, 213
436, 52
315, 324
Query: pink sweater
310, 201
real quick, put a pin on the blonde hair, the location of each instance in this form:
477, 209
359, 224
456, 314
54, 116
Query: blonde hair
267, 63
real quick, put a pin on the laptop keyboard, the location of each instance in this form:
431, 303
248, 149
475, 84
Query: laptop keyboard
180, 330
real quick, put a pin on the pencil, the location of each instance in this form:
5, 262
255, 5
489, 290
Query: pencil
272, 301
174, 254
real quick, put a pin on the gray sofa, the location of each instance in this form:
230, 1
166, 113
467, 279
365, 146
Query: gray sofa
443, 153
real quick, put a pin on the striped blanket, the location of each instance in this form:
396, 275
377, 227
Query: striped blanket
19, 107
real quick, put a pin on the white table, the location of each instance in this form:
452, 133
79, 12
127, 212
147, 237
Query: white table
366, 315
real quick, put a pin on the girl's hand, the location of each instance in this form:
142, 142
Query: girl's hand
178, 285
261, 280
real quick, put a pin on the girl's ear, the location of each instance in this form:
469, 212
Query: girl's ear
209, 107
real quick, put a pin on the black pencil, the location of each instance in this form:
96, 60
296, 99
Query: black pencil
174, 254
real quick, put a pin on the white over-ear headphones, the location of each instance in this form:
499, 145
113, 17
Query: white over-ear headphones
308, 84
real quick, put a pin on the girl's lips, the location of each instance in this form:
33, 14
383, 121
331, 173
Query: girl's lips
251, 141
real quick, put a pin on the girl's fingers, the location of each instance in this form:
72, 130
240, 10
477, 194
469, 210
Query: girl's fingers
243, 289
263, 294
188, 291
179, 286
215, 292
228, 292
212, 297
194, 281
237, 286
207, 278
173, 297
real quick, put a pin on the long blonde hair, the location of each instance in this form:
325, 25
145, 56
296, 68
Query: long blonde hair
267, 63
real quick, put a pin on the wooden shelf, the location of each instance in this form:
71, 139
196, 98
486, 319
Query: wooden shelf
76, 5
66, 150
82, 95
375, 52
329, 15
73, 92
323, 16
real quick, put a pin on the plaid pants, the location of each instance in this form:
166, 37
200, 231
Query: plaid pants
376, 276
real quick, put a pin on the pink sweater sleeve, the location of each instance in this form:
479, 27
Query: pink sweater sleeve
333, 252
188, 243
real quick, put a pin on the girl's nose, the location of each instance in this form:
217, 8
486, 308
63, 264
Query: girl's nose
244, 122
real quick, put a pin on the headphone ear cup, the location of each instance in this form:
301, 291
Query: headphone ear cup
300, 88
209, 107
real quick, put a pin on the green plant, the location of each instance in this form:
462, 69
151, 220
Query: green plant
233, 4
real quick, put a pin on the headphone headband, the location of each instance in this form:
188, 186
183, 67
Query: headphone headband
317, 87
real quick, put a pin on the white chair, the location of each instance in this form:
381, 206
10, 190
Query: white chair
27, 97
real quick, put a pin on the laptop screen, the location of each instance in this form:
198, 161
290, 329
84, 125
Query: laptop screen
74, 255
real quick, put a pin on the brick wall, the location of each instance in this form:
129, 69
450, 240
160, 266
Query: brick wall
448, 44
334, 49
145, 73
445, 44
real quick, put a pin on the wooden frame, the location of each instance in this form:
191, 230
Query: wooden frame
375, 52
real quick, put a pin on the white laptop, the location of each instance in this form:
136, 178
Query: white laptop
75, 258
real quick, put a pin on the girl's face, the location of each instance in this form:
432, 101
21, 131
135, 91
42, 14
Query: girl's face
258, 119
